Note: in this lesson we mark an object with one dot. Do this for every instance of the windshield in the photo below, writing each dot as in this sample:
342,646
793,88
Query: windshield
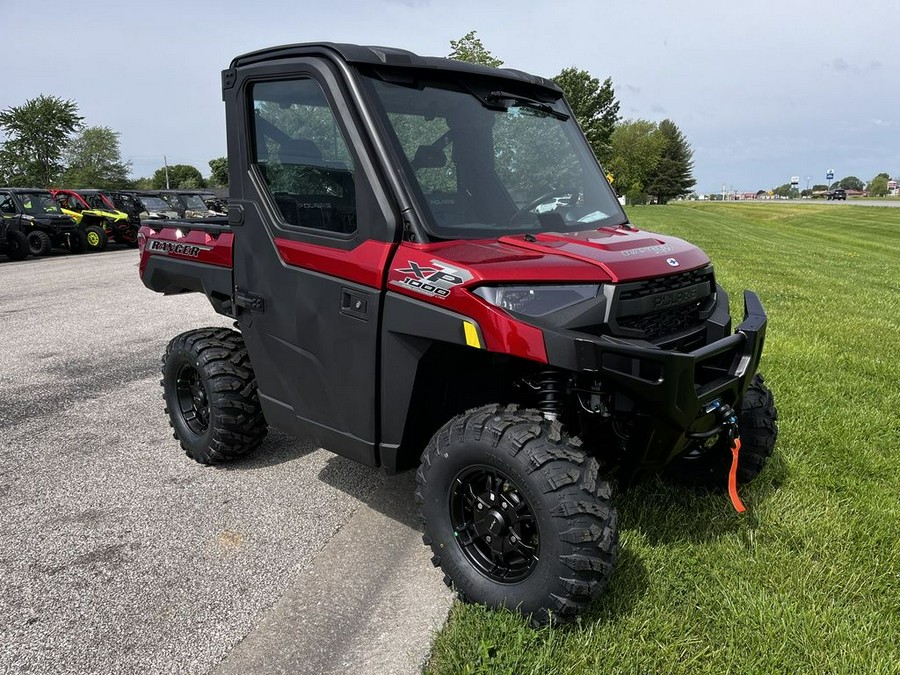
155,204
38,203
194,202
97,201
496,163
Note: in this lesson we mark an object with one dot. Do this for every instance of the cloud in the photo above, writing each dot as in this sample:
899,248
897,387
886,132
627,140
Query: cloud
658,109
841,65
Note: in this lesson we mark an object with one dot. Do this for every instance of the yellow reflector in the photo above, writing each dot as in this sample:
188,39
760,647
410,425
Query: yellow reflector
471,335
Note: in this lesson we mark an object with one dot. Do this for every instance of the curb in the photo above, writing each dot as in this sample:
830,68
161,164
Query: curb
370,601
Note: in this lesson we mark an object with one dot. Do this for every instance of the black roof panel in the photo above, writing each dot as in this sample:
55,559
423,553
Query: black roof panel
387,56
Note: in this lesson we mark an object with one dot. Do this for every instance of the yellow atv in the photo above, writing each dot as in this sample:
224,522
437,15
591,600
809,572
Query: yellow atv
98,220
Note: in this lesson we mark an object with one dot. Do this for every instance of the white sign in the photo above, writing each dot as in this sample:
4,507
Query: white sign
795,180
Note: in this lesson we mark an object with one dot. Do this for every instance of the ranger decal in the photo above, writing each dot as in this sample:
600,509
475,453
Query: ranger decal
170,247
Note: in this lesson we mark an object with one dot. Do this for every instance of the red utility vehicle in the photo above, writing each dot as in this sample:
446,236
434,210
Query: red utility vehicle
427,268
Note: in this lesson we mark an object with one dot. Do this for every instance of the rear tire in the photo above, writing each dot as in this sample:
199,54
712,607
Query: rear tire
76,242
16,245
211,397
758,428
39,243
557,533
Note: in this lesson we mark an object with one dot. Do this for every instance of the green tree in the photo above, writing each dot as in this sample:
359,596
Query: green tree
469,49
819,187
37,133
636,147
94,160
673,174
181,177
878,186
849,183
786,191
595,107
218,172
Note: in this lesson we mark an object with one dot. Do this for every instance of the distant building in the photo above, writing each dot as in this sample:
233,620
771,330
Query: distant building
893,187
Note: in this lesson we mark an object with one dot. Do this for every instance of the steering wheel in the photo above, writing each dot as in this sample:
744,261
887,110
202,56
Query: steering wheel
543,199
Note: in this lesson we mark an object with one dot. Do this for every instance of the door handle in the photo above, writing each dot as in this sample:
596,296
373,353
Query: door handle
355,304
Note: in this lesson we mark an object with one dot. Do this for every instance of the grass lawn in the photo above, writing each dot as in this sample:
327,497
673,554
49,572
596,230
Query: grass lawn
809,579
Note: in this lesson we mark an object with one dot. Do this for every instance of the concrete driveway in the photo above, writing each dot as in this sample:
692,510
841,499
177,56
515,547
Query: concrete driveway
120,555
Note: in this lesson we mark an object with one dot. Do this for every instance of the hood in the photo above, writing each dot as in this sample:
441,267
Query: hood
604,255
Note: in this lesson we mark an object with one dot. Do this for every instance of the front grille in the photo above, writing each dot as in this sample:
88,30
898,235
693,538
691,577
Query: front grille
665,322
655,324
668,283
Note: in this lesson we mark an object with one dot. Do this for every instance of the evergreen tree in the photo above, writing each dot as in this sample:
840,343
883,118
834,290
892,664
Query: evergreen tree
595,107
673,174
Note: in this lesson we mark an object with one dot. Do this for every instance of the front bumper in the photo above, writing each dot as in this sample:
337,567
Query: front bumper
670,386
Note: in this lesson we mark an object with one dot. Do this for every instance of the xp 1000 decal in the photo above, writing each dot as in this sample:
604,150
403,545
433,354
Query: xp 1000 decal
435,279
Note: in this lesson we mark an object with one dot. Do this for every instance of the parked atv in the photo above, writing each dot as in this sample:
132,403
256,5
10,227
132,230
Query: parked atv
428,269
119,226
13,242
99,222
39,219
186,203
142,207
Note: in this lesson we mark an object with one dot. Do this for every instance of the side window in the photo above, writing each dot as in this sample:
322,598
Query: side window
302,156
6,203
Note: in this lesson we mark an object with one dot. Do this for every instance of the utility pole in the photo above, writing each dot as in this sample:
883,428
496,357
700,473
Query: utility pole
166,162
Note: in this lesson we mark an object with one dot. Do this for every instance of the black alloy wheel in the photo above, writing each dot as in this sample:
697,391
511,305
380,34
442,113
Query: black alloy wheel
516,514
494,524
193,403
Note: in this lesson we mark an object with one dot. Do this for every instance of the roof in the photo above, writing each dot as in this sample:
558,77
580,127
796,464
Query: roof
388,56
19,190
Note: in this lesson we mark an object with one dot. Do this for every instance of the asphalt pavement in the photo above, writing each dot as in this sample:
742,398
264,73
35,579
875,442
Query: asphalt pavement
120,555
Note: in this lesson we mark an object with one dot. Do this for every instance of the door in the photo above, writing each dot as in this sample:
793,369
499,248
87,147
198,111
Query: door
310,256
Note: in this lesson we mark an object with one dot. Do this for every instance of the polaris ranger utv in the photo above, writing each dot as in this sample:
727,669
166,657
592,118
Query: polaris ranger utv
427,268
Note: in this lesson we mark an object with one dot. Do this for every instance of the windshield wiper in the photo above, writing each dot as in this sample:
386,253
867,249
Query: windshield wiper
525,102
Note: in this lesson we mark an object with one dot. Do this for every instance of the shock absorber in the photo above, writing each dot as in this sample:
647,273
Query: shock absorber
550,394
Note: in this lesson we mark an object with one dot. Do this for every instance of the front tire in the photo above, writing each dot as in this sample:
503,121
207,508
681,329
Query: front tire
39,243
515,514
211,396
95,237
758,429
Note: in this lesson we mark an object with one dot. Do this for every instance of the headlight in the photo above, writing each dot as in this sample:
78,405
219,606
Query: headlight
537,300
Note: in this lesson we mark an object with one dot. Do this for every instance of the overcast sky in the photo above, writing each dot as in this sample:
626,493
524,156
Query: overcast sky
763,90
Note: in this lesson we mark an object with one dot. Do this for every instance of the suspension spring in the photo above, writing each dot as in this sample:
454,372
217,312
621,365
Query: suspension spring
550,394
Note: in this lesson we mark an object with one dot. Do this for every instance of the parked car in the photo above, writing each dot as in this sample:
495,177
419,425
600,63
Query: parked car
837,194
40,219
